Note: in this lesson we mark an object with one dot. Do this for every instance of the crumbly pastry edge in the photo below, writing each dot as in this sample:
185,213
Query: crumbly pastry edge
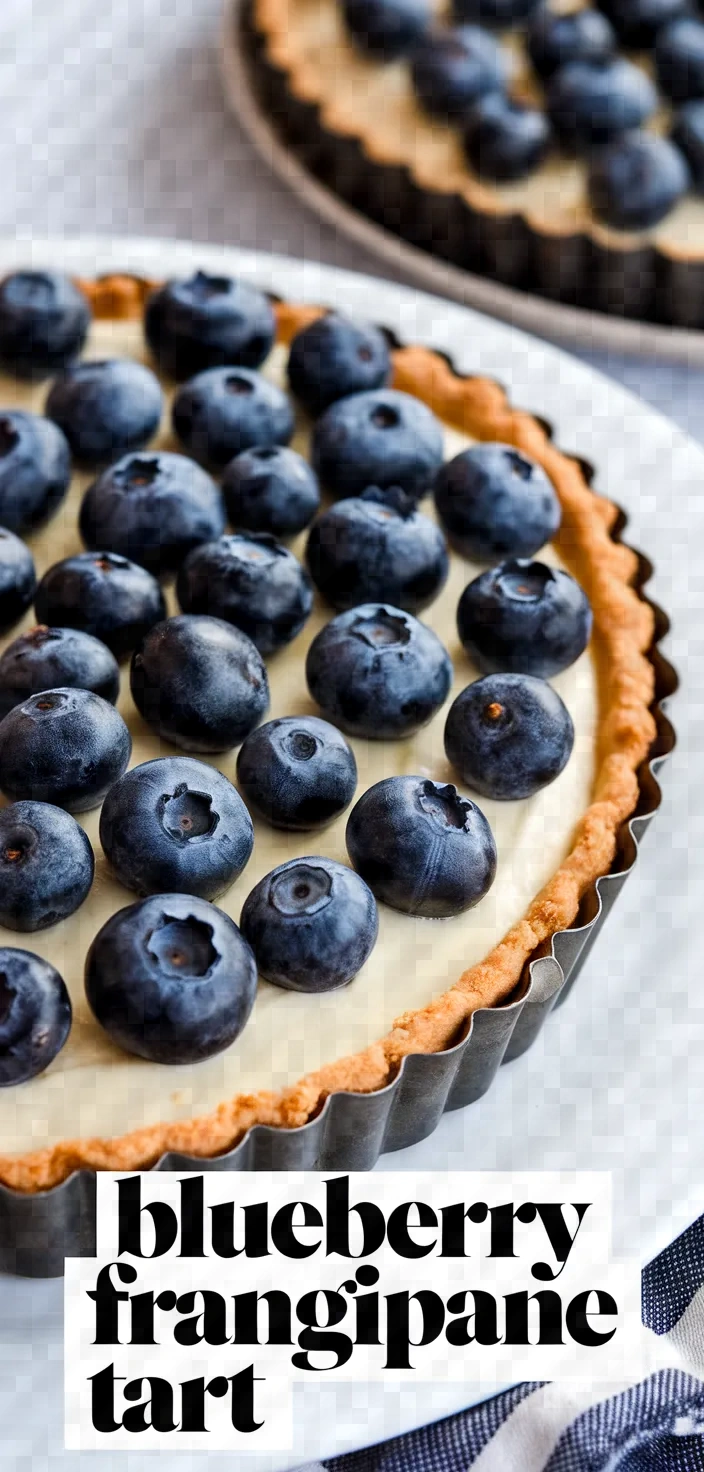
623,634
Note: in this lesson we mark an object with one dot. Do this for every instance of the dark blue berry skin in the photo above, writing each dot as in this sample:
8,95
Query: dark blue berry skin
639,22
44,321
171,979
208,322
223,411
499,13
35,470
421,847
298,772
507,736
381,438
377,672
175,824
104,595
17,579
386,29
251,581
200,683
506,140
49,659
494,502
65,747
336,356
270,490
554,40
153,509
312,924
105,409
688,136
46,865
35,1015
377,548
524,617
591,103
679,60
453,68
635,182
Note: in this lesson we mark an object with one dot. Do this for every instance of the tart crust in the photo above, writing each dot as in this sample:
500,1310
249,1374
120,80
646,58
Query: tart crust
623,632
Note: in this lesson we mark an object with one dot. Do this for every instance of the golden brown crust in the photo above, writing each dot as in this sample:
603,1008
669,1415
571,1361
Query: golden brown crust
623,631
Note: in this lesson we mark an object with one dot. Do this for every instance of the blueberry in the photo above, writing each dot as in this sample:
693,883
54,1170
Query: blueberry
679,59
688,135
381,438
506,140
311,923
252,582
508,735
200,683
524,617
171,979
591,103
105,408
103,595
493,502
298,772
46,865
454,67
638,22
44,321
500,13
176,824
17,579
63,746
223,411
580,35
377,672
386,29
35,470
270,490
49,659
421,847
336,356
35,1015
635,182
377,548
208,322
152,508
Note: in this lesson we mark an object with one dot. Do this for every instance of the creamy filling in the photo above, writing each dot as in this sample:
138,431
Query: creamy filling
92,1088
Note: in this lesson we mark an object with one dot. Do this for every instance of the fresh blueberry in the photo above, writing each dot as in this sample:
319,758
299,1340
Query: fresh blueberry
49,659
175,824
63,746
35,470
524,617
44,321
311,923
200,683
499,13
223,411
377,547
381,438
508,735
506,140
298,772
270,490
105,408
208,322
336,356
639,22
35,1015
421,847
17,579
171,979
377,672
252,582
591,102
46,865
386,29
679,60
580,35
454,67
103,595
494,502
635,182
688,135
152,508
